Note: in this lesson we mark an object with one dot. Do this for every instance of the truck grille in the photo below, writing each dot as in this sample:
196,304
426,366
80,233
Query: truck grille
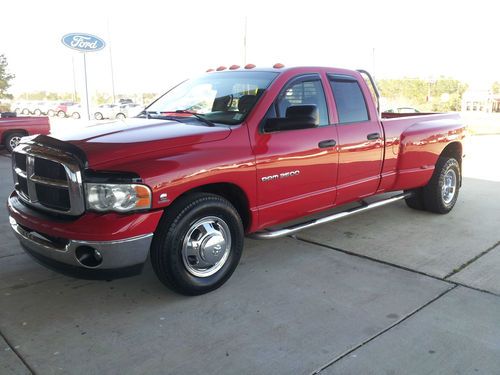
48,179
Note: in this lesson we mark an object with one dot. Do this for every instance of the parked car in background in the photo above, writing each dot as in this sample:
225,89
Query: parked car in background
61,109
74,111
40,108
130,109
403,110
106,111
22,107
12,129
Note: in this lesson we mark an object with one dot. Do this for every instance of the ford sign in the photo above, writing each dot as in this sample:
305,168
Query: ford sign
83,42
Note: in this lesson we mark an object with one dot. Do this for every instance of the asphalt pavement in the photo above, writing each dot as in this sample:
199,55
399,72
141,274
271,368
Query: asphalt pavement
389,291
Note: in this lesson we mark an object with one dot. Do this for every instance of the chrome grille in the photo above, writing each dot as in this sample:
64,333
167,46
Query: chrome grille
48,179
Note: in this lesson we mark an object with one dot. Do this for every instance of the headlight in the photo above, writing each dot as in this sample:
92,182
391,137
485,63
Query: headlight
117,197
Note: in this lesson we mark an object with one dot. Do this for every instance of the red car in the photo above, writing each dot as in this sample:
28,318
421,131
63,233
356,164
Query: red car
231,153
12,129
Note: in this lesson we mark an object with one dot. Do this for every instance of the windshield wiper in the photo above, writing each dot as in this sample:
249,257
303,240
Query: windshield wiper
156,115
197,115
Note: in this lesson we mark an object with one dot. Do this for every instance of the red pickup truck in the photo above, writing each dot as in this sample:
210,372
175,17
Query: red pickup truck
13,128
234,152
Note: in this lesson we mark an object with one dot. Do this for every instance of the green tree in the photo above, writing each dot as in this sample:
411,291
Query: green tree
443,94
5,78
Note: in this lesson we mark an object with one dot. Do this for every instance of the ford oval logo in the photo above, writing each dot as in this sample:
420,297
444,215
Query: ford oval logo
83,42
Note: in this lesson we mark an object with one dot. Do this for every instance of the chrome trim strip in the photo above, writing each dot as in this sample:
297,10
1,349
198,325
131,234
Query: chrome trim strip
266,235
20,172
115,254
30,171
49,181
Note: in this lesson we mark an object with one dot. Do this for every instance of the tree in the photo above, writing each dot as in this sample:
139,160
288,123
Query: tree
5,78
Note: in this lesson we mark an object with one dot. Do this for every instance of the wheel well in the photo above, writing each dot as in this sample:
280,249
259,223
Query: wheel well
453,150
9,132
233,194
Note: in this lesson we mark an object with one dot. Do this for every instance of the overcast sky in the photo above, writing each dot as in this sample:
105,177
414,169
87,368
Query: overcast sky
157,43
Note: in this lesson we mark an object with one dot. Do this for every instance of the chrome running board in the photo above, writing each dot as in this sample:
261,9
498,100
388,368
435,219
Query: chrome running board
266,235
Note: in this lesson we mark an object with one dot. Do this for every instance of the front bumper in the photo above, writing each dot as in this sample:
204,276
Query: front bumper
119,258
122,242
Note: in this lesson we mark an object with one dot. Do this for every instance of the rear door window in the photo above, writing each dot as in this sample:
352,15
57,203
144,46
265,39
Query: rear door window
349,99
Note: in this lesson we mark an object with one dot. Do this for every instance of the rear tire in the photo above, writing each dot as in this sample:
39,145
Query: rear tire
61,114
441,193
416,200
198,244
98,116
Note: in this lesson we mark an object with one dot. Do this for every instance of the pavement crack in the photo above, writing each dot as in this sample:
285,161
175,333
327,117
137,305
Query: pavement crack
395,324
16,352
444,279
374,260
470,261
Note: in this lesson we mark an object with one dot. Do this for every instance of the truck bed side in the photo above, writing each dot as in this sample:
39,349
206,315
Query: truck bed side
413,145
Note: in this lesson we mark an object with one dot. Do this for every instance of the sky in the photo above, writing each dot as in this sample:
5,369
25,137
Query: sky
156,44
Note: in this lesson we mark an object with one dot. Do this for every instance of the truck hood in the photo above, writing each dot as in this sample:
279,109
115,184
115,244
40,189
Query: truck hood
131,138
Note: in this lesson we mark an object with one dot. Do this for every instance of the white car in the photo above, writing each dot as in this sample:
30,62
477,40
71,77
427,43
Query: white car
108,111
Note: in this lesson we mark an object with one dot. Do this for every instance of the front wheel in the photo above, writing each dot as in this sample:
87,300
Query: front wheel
197,244
12,140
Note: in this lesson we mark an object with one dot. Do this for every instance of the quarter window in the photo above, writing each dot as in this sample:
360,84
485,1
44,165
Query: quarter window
349,99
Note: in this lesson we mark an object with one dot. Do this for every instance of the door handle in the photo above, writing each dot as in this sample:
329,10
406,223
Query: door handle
373,136
327,143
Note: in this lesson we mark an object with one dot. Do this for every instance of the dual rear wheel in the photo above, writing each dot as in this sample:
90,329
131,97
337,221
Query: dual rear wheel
441,193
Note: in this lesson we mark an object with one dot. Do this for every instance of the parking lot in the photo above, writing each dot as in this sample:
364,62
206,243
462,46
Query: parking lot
390,291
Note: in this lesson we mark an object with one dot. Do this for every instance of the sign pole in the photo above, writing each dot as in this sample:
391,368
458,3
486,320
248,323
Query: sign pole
85,107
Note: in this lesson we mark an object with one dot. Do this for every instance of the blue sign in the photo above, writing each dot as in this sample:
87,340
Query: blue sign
83,42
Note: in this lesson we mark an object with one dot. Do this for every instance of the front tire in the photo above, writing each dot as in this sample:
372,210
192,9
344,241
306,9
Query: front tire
198,244
12,140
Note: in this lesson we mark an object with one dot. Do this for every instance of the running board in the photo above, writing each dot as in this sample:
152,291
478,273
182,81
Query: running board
267,235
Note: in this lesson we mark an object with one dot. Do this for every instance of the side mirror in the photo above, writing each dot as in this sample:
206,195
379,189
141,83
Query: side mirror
297,117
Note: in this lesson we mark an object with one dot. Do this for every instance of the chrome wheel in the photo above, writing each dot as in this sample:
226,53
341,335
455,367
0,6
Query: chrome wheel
449,186
14,141
206,246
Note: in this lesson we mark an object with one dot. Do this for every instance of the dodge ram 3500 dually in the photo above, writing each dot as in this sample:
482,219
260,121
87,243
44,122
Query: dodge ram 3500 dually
234,152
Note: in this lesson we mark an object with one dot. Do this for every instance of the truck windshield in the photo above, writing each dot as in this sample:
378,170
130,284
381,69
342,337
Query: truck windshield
220,97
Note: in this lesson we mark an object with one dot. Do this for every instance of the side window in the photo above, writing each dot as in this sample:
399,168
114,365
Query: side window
301,93
351,105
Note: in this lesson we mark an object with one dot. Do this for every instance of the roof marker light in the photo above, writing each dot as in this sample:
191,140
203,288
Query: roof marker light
210,70
249,66
278,66
221,68
234,67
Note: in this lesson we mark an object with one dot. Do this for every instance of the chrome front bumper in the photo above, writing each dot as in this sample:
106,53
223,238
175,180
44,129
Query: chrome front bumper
129,253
